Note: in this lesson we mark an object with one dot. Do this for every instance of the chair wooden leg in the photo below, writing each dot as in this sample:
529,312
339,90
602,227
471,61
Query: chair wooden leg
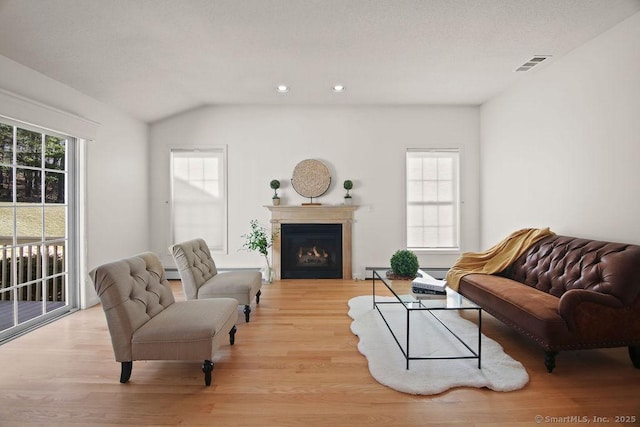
207,367
258,297
125,373
232,335
247,311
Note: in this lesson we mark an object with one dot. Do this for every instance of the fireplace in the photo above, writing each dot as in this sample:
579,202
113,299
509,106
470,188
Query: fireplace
335,216
311,251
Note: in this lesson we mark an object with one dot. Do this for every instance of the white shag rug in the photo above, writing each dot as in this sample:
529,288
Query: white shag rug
387,364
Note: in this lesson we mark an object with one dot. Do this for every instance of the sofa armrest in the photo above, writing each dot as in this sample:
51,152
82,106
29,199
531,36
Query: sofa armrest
572,299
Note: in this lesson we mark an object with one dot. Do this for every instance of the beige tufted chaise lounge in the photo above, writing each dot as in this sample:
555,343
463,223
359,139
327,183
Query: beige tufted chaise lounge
146,323
200,277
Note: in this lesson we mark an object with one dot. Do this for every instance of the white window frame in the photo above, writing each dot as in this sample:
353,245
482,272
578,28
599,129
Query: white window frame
26,111
454,204
71,266
202,223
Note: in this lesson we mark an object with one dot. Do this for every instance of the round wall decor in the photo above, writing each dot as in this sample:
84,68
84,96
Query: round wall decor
311,178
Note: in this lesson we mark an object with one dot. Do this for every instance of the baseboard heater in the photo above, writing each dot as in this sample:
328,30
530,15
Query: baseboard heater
173,274
435,272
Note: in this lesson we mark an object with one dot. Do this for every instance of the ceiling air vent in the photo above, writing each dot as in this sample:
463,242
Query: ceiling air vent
532,62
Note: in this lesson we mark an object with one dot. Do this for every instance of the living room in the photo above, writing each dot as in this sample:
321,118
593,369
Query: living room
556,147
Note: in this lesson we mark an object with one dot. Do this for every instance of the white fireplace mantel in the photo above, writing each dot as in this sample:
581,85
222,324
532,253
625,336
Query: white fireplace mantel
312,214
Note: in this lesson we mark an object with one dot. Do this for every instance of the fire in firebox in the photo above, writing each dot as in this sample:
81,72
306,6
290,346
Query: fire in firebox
312,256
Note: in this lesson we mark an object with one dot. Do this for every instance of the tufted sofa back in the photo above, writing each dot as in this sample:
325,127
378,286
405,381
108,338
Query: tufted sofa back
132,291
195,265
557,264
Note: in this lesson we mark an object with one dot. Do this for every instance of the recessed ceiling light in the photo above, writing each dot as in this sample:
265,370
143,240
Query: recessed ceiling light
282,88
338,88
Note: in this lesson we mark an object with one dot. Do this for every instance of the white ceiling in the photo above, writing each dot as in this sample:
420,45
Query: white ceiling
156,58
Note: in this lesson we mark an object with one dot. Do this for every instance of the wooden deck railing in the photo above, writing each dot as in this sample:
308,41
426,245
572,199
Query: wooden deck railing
29,259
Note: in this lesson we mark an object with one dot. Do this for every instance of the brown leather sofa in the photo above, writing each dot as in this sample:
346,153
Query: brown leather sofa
567,293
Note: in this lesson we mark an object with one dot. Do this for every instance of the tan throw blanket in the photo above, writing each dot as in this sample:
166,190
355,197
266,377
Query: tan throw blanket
496,258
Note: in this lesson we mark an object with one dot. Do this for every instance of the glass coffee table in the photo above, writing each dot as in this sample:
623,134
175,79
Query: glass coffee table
422,305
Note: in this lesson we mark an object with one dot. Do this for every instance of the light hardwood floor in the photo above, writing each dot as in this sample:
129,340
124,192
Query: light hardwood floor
295,364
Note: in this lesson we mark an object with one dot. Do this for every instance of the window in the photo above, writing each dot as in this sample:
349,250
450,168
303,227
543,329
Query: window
199,196
36,251
433,199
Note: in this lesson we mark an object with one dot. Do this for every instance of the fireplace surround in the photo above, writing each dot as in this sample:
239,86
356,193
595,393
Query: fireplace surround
342,215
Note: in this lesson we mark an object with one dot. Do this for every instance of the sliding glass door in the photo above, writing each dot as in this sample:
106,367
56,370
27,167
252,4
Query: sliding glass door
36,251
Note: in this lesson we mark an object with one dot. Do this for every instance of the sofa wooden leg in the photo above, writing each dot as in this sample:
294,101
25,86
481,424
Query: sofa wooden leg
232,335
247,311
207,367
125,373
550,360
634,354
258,297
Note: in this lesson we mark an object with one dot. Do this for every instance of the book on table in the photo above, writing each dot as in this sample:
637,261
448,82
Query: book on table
426,286
426,294
425,281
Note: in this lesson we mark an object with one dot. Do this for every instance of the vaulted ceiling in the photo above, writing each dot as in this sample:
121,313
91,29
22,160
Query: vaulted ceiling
157,58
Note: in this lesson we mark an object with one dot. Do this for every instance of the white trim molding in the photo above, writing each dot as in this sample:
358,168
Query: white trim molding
25,110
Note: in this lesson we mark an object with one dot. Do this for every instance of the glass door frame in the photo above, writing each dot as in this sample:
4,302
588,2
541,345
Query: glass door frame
70,240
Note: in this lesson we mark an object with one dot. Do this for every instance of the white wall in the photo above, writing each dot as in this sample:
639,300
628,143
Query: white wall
117,168
562,149
364,144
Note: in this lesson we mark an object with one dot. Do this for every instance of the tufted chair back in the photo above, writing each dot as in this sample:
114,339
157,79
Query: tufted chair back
557,264
195,265
132,291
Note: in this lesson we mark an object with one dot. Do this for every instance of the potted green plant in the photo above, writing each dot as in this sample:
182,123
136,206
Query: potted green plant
404,264
259,241
275,184
348,185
